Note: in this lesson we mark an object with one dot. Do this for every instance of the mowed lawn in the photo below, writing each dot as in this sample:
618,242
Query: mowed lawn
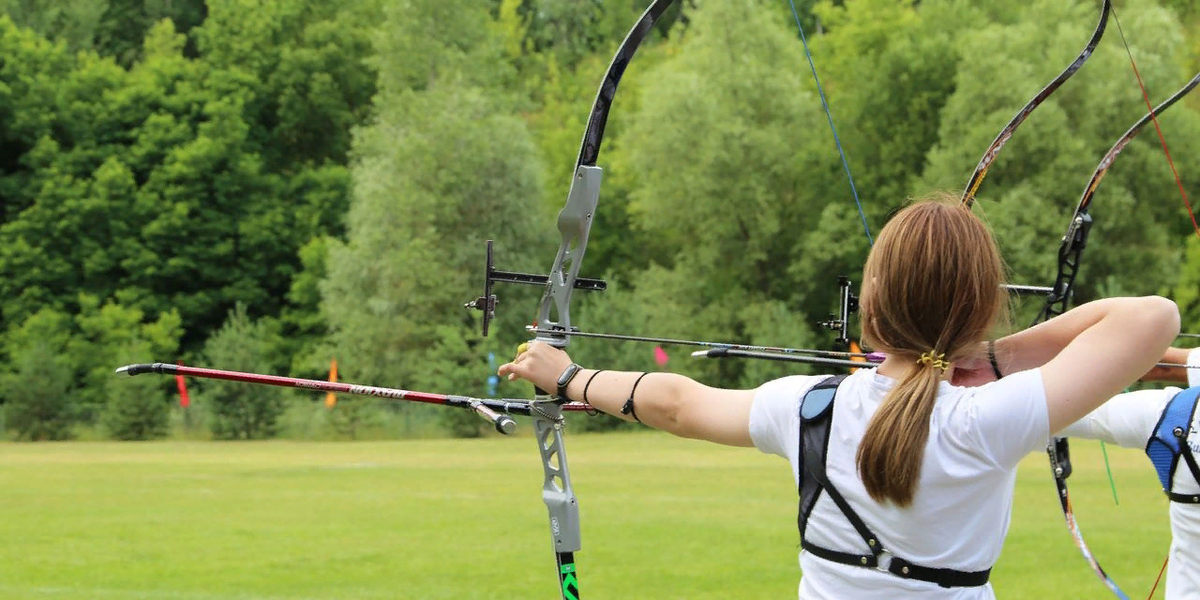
662,518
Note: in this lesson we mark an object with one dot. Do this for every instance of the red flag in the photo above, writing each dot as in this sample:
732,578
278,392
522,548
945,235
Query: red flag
660,356
184,402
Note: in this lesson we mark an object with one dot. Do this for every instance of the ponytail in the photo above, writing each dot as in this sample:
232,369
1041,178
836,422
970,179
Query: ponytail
890,454
931,281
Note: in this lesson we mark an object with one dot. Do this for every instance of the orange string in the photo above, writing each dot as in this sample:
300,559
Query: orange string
1154,118
1160,574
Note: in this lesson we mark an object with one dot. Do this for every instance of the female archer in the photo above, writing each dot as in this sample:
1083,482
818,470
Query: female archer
906,480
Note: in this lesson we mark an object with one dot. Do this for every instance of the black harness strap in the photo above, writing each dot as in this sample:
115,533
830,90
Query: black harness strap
1180,433
816,417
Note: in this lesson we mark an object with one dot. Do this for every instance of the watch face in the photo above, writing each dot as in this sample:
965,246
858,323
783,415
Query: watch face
568,374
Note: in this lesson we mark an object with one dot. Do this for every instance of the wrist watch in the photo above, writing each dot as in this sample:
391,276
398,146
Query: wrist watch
565,379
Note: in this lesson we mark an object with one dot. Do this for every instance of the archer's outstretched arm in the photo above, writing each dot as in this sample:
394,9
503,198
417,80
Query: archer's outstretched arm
1175,356
666,401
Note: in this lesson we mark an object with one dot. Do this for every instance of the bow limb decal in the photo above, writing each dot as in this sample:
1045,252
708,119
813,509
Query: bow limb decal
993,150
554,313
1069,253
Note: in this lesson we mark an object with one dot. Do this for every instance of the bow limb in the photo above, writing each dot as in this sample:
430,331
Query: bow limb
553,318
993,150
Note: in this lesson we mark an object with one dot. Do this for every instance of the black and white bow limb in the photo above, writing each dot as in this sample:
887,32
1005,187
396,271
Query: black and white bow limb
993,150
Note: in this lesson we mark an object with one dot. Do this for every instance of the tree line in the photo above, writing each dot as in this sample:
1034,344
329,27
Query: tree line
273,184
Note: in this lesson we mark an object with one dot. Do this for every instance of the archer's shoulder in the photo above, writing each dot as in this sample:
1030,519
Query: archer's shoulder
793,387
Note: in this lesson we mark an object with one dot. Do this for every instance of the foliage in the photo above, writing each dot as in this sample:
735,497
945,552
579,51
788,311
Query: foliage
143,184
137,408
72,22
108,336
336,169
443,169
1027,197
236,410
83,352
39,393
303,325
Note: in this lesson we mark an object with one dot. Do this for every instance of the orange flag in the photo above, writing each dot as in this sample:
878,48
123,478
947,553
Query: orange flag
331,398
856,349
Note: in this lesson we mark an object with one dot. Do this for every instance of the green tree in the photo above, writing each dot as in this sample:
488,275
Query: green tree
74,23
304,68
137,407
144,185
446,166
124,24
239,410
106,336
1186,292
735,208
441,172
38,381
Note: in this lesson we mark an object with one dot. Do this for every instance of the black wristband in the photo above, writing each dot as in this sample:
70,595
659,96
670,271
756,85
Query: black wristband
627,409
992,359
591,410
565,379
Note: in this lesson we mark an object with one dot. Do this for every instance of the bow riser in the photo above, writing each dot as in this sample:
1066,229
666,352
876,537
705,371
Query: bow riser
574,224
554,311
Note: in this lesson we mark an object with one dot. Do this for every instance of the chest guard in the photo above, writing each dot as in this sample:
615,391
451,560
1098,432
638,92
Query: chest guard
1168,443
816,423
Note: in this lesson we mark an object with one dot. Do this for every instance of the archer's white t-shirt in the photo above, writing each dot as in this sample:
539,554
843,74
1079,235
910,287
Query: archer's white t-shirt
1128,421
963,503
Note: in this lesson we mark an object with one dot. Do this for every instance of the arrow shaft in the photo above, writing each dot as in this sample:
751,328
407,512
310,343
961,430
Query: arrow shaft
718,345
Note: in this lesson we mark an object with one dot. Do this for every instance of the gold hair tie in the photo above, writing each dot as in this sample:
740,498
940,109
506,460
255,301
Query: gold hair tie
935,360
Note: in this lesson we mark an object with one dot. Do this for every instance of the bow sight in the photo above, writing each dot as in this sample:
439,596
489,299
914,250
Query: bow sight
847,305
488,301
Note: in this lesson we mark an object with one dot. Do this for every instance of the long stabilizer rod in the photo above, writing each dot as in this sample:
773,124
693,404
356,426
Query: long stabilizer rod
494,410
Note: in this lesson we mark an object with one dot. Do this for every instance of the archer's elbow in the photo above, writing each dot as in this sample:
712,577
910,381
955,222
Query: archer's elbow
671,406
673,412
1160,320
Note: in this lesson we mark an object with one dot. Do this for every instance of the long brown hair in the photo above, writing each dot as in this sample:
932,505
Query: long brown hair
932,283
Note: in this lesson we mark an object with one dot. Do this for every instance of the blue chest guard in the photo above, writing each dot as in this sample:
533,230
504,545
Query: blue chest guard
1169,442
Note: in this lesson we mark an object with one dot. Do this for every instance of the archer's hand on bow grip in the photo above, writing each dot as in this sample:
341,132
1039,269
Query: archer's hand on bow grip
538,363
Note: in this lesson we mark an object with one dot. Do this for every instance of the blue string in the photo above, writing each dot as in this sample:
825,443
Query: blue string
829,115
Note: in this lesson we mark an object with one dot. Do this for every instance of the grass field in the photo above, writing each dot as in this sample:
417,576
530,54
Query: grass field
662,518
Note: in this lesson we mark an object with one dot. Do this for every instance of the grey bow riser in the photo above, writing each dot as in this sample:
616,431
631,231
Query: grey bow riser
574,224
